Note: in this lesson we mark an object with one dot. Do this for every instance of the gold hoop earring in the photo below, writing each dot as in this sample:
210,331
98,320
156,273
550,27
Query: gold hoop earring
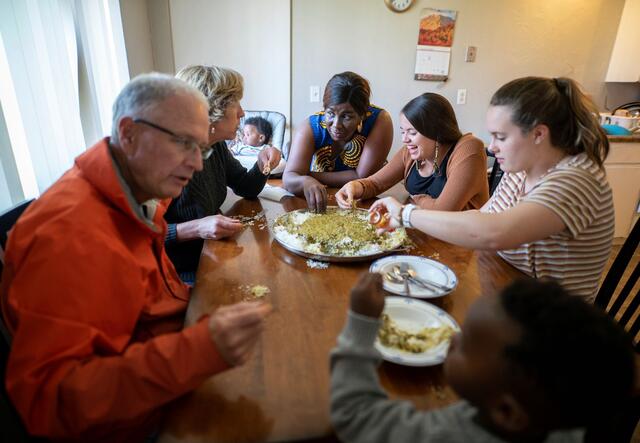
436,169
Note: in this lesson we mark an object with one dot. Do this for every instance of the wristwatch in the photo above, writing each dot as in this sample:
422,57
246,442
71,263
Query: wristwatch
406,215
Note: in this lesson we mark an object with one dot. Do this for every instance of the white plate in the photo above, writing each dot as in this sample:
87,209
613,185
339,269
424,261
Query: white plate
425,268
295,245
413,315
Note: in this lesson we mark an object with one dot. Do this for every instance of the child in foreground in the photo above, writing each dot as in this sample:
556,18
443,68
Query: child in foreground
531,364
256,135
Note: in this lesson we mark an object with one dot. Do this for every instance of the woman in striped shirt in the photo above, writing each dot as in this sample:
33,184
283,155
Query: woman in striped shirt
552,213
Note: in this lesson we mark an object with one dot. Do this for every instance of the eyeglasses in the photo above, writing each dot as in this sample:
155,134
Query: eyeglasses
345,118
188,144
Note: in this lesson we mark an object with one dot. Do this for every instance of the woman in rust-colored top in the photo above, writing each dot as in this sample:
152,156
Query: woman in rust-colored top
441,168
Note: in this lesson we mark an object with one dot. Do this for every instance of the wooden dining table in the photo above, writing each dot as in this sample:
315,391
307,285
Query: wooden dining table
282,392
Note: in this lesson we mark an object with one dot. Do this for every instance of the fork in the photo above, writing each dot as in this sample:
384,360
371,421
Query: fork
405,278
406,272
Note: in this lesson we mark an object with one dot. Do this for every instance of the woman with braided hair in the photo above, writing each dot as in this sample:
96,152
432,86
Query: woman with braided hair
349,139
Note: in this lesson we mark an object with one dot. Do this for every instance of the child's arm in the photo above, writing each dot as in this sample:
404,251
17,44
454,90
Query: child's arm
360,409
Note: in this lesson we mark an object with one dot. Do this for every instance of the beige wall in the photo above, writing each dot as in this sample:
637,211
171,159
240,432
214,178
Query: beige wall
147,36
160,29
514,38
303,42
250,36
137,37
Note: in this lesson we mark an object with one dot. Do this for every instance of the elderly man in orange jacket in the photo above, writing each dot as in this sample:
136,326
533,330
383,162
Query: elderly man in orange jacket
94,305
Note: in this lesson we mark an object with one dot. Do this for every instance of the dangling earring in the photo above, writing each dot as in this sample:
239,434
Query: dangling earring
436,169
212,130
359,128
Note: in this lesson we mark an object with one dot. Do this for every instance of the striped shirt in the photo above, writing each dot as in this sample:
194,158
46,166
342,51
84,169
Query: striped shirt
577,191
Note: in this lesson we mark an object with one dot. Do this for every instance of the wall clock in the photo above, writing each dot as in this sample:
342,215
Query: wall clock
398,5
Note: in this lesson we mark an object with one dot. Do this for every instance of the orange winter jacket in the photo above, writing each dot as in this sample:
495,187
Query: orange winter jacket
96,309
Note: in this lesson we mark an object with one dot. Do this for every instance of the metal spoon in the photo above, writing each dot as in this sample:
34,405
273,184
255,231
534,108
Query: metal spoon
395,279
414,276
405,271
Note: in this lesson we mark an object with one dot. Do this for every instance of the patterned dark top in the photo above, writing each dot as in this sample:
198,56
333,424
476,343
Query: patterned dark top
202,197
350,156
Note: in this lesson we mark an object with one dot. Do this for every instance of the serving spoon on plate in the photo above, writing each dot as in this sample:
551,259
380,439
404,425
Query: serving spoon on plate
404,272
397,279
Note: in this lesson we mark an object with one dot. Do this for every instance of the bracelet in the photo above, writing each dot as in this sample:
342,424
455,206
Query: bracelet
406,215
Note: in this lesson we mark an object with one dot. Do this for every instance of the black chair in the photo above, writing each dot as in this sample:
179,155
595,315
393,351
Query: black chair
622,309
11,426
495,175
8,218
626,304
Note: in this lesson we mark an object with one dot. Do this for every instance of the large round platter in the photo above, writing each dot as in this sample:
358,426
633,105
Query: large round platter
411,314
426,269
297,244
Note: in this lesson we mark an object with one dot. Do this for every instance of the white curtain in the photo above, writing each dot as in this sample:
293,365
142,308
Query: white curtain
103,60
45,46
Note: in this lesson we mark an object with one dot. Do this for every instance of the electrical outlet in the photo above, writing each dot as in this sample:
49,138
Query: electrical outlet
314,94
470,55
462,97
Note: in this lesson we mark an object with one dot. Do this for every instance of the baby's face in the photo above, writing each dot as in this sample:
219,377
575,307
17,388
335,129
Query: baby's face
251,136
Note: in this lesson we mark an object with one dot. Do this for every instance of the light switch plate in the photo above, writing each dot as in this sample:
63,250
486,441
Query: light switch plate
314,94
470,55
462,97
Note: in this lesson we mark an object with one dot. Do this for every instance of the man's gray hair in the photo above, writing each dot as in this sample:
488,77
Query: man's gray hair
145,92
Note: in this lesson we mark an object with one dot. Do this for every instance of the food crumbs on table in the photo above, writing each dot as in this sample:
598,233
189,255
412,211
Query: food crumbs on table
250,220
255,291
439,392
315,264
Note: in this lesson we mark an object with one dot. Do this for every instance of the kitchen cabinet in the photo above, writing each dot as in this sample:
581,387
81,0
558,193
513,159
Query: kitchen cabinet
623,173
624,65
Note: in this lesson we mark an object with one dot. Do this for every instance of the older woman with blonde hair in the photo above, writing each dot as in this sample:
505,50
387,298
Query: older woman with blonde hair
194,216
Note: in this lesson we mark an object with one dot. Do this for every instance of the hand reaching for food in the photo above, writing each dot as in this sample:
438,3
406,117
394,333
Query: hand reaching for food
367,296
392,208
213,227
236,329
349,194
268,159
316,194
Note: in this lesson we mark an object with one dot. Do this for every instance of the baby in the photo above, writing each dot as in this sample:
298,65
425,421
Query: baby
256,135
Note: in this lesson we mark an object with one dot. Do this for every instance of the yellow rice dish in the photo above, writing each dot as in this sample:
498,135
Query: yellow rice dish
392,336
338,232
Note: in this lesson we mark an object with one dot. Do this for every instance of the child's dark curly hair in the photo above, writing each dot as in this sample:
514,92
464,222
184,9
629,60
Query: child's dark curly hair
581,362
262,125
